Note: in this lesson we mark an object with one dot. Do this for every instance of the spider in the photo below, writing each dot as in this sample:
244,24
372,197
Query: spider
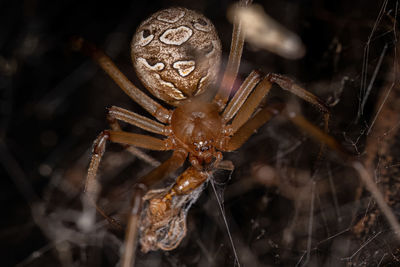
176,53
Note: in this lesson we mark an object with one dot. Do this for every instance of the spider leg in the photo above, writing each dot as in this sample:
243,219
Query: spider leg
248,128
289,85
318,134
99,146
128,252
138,140
363,173
241,95
159,112
262,90
232,67
249,106
117,113
265,114
92,188
226,165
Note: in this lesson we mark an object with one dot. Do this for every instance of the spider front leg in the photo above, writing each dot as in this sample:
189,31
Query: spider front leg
242,127
99,146
261,91
232,67
92,187
265,114
241,95
114,114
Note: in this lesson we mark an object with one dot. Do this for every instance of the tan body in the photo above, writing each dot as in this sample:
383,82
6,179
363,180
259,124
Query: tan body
199,128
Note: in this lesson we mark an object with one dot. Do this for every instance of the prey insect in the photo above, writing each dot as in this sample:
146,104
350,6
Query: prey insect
176,53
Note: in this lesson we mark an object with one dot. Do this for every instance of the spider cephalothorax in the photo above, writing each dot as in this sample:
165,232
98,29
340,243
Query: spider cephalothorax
198,127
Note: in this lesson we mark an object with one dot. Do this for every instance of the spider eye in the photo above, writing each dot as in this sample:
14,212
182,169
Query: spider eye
204,148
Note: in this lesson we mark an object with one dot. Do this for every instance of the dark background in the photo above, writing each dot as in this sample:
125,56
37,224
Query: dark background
53,104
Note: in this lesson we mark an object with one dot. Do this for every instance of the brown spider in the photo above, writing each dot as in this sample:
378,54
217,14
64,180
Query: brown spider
176,54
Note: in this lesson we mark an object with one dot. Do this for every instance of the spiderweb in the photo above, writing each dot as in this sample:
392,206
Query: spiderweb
277,211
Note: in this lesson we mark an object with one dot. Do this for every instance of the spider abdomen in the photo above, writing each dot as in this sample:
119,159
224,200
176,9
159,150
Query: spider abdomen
176,54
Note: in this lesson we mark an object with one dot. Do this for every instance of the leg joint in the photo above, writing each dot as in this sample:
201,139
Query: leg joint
99,144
